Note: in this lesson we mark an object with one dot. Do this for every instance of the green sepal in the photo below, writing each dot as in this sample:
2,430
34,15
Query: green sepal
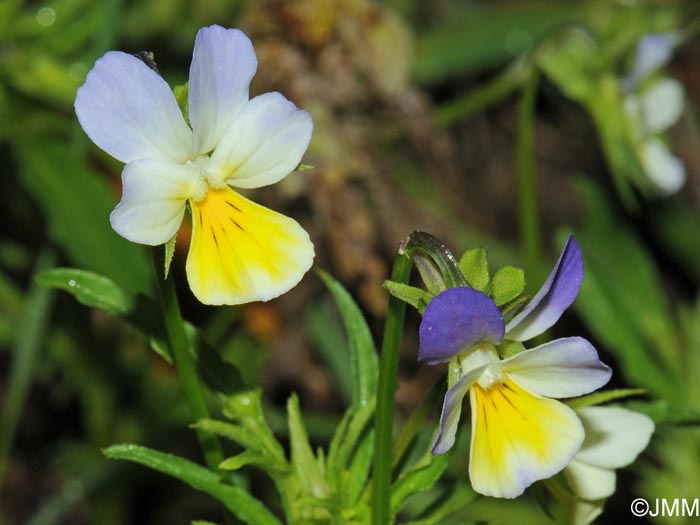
511,309
598,398
181,94
169,252
507,285
510,348
304,167
475,266
200,522
416,297
88,288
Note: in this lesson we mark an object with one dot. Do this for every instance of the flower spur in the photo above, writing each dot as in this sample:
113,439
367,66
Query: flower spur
239,251
518,434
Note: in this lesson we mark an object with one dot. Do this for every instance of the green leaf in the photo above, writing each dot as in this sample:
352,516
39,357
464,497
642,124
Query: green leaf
363,356
240,460
573,61
304,167
420,478
507,284
598,398
303,461
663,412
475,266
200,522
76,203
622,303
88,288
358,470
416,297
479,37
258,449
169,252
243,505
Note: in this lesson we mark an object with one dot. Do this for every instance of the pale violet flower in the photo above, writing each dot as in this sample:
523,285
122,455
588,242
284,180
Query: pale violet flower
654,107
518,433
240,251
614,438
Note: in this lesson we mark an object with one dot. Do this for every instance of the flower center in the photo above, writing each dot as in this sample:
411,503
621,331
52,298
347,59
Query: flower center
481,355
208,178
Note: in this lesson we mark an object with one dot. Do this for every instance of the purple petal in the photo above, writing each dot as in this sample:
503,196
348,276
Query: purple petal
451,411
555,296
455,320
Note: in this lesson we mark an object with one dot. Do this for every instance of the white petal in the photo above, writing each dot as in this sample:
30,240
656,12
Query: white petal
130,112
662,105
265,142
589,482
614,436
223,63
666,171
562,368
153,200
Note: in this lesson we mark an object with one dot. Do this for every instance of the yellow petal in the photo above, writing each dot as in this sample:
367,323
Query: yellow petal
242,252
518,438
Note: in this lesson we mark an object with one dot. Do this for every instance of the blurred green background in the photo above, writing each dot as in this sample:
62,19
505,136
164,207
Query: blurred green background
488,123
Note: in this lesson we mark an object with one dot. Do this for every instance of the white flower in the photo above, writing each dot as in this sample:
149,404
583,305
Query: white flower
239,251
653,109
614,438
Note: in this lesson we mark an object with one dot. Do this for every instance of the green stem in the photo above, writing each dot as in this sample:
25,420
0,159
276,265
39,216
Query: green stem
30,339
527,187
483,97
184,360
386,387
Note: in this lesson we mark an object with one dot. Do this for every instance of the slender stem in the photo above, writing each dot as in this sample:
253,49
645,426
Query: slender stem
527,187
184,360
30,339
384,416
483,97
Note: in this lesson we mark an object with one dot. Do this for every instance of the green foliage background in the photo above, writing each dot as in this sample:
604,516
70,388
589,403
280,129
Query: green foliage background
486,123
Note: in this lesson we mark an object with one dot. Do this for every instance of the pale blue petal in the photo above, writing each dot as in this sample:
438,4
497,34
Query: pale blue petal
223,64
153,200
565,367
130,112
265,142
555,296
452,409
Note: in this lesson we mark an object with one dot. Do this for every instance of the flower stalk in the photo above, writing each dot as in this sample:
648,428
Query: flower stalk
386,387
184,362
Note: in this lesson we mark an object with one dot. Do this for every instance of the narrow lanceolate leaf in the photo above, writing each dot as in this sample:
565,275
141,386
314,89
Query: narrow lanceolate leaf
88,288
416,297
243,505
420,478
363,355
304,462
598,398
